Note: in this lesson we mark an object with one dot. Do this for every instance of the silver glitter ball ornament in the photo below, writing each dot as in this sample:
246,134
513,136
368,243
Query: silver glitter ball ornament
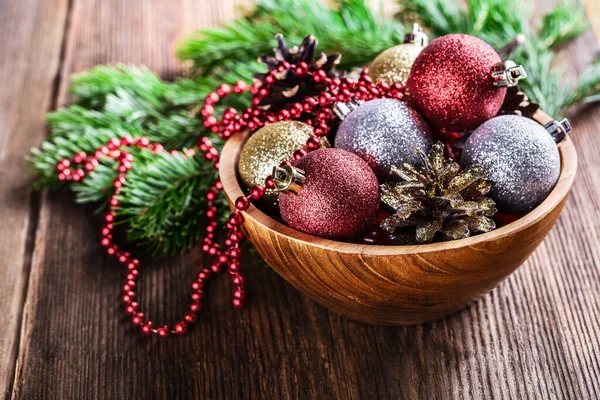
521,158
384,133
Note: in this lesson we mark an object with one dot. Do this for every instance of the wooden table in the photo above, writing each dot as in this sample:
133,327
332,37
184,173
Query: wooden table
63,337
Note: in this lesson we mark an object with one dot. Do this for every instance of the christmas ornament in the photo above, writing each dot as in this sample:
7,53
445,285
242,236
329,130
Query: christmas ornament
458,81
438,197
266,148
521,157
329,193
382,132
393,65
289,85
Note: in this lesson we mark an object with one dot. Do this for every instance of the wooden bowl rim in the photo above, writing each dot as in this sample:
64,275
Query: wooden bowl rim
232,189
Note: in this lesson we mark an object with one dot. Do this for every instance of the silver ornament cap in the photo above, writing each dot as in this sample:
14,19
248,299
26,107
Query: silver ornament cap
521,158
508,74
288,180
559,130
417,36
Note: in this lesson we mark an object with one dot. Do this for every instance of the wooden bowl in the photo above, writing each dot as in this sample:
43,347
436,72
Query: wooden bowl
398,285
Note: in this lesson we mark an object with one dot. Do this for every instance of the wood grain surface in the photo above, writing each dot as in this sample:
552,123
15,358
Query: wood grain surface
63,337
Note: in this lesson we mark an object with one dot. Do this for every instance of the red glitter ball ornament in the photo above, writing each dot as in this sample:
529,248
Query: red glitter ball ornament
336,197
451,82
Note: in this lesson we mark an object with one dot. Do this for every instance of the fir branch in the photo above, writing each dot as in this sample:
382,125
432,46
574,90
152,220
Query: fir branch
59,147
351,29
90,88
564,23
587,89
164,202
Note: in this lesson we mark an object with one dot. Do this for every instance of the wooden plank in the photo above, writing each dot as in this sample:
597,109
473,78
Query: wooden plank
535,336
31,32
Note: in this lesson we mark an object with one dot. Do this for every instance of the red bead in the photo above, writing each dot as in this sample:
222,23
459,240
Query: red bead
137,319
195,306
197,296
239,294
113,144
181,328
234,266
236,237
143,142
197,285
234,253
239,280
204,275
299,154
269,183
237,303
313,143
147,328
190,317
163,332
242,203
126,141
257,192
236,219
224,90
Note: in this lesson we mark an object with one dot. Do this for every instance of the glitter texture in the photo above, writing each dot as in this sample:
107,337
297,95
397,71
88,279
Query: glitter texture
393,65
340,197
266,148
451,83
384,132
522,160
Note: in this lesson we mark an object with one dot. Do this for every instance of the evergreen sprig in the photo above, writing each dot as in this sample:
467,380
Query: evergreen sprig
163,203
351,28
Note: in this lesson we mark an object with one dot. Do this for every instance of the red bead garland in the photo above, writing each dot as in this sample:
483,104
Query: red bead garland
314,111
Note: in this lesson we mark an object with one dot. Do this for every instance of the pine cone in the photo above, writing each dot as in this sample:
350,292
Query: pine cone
438,197
291,87
516,102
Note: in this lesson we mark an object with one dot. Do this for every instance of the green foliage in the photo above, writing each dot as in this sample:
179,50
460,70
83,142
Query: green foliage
130,101
351,28
163,202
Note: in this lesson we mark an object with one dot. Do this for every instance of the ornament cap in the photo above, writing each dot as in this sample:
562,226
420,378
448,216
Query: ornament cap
417,36
559,130
508,74
288,180
343,109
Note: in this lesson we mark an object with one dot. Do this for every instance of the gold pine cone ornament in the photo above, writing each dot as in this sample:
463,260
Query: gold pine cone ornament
437,198
394,64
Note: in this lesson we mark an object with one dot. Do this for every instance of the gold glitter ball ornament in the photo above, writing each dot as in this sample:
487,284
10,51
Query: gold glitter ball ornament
267,148
394,64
